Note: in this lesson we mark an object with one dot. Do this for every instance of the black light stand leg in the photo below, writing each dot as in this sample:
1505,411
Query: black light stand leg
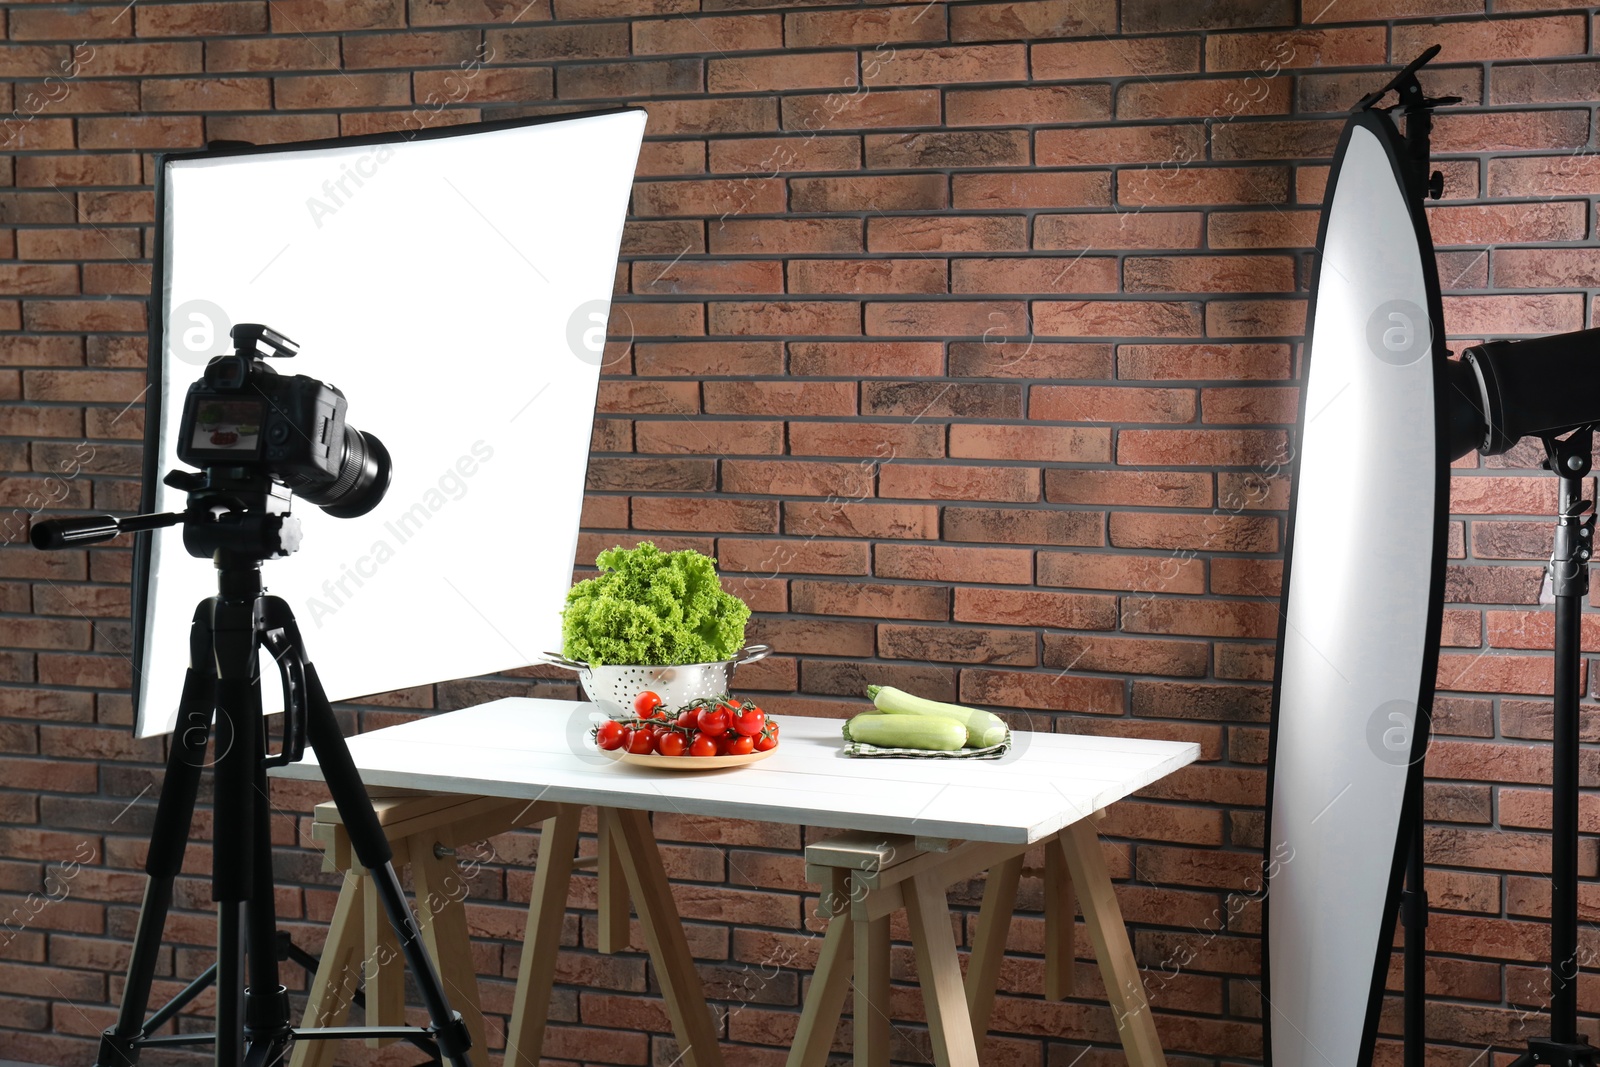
1570,459
367,838
1414,914
174,814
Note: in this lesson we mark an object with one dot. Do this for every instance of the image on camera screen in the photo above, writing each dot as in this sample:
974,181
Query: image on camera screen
227,425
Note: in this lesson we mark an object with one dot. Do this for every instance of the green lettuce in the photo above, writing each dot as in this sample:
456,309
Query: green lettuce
652,607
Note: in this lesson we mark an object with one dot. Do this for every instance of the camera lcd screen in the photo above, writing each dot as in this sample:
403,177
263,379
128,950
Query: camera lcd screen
227,425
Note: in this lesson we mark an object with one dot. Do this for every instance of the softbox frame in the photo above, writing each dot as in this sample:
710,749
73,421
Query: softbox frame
1362,599
455,283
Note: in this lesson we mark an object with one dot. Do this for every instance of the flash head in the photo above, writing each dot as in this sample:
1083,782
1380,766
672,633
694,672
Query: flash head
1503,391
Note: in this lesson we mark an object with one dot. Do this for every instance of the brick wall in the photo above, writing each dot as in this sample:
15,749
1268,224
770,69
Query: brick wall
963,334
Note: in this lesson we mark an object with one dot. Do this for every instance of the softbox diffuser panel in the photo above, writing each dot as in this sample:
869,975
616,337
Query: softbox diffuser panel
1358,644
455,284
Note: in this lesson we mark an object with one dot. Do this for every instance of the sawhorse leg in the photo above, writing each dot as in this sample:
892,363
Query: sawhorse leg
640,862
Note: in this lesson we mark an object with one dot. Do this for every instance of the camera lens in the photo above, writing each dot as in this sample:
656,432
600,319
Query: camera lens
362,480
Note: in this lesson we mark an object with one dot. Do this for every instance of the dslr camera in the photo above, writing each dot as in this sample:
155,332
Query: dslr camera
243,414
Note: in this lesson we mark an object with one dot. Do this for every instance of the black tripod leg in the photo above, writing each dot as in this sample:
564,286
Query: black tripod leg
307,699
266,999
233,846
174,813
371,846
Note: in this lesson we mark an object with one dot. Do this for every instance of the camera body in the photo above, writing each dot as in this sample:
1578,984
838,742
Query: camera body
243,412
291,427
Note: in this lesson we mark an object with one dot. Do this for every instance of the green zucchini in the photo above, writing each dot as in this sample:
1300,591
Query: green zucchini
984,728
906,731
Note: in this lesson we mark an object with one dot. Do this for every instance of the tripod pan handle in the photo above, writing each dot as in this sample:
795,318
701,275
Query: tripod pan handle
66,533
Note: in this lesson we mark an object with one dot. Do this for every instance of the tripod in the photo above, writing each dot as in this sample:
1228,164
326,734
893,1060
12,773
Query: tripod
239,519
1569,458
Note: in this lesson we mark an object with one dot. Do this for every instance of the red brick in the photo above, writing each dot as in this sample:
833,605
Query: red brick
1498,673
1024,526
1262,229
1026,19
1125,230
864,359
947,64
1212,274
1486,39
1480,316
527,43
209,94
757,74
870,600
911,521
1038,444
1219,98
785,317
707,276
861,109
1170,187
952,644
1092,403
1030,190
1046,690
791,556
949,233
201,19
1511,131
1246,577
777,155
789,236
1124,655
921,481
656,398
1036,608
946,318
780,398
1030,106
78,23
1255,318
1056,275
925,399
1029,359
797,478
1175,489
1170,146
1222,448
1251,405
694,513
712,33
932,563
871,27
1217,618
1116,58
882,441
1500,224
747,114
1116,318
898,192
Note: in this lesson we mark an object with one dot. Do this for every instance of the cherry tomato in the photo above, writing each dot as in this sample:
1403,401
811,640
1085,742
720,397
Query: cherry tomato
751,721
610,735
702,746
713,722
766,742
688,719
670,743
740,745
646,703
639,744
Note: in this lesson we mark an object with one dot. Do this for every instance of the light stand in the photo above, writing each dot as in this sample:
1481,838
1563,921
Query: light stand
240,517
1549,388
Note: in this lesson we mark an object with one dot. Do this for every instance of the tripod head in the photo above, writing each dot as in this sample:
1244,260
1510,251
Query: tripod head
235,516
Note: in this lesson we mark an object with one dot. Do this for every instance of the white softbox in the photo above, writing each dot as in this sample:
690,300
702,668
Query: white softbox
455,284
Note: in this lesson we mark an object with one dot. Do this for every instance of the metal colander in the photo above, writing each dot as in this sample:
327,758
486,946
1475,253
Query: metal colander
613,687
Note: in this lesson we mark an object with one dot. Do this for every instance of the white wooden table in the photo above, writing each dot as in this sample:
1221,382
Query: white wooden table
537,750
